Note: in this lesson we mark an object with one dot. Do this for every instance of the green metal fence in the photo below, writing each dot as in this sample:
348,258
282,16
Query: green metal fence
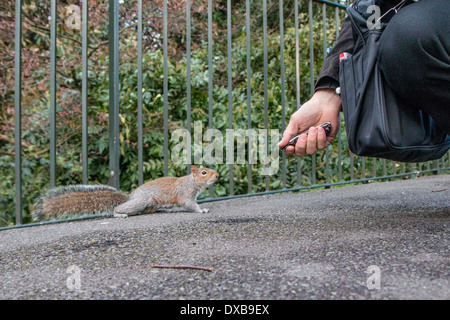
361,169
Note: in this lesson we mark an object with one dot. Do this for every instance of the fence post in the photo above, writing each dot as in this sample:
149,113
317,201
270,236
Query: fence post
311,70
139,98
249,89
53,31
188,76
165,89
84,94
230,88
18,110
114,148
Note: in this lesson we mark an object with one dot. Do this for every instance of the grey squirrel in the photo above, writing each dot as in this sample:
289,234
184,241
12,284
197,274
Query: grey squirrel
84,200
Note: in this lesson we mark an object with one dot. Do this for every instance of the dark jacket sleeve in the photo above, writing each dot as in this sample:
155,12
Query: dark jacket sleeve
329,73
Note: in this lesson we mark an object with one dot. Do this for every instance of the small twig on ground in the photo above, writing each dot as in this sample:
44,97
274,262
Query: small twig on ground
439,190
181,267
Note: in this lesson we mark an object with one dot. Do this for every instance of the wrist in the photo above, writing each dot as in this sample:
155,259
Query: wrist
328,98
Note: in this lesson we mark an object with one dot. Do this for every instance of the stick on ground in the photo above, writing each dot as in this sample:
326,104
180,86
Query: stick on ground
180,267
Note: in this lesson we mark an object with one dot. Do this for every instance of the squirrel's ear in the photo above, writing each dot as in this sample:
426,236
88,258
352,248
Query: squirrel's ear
194,169
201,166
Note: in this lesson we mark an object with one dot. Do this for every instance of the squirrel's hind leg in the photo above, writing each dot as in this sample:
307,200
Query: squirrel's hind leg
150,209
133,206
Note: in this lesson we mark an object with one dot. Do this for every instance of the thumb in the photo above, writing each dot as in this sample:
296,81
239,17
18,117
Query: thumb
287,134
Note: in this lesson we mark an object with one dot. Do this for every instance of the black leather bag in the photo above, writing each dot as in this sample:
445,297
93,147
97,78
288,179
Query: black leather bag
379,123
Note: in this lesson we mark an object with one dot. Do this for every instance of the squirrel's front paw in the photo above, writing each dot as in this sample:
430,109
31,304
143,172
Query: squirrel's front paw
204,210
120,215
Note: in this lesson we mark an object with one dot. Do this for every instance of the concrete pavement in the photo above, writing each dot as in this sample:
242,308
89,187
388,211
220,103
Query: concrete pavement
374,241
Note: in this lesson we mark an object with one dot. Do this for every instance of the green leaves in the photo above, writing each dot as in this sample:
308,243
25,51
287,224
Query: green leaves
35,117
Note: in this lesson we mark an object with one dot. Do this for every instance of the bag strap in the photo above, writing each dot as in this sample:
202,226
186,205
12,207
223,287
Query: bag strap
396,8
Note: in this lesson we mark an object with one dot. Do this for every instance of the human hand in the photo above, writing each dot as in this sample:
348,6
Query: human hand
324,106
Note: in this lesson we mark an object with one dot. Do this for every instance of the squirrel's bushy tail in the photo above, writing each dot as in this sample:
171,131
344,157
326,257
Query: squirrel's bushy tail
77,201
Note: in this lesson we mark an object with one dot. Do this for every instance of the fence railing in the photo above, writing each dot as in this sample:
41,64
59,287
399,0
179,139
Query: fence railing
325,169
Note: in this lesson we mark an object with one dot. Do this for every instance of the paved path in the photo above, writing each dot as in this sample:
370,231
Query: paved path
308,245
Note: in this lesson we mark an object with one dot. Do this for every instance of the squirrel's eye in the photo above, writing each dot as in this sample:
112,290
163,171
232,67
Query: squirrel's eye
203,172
